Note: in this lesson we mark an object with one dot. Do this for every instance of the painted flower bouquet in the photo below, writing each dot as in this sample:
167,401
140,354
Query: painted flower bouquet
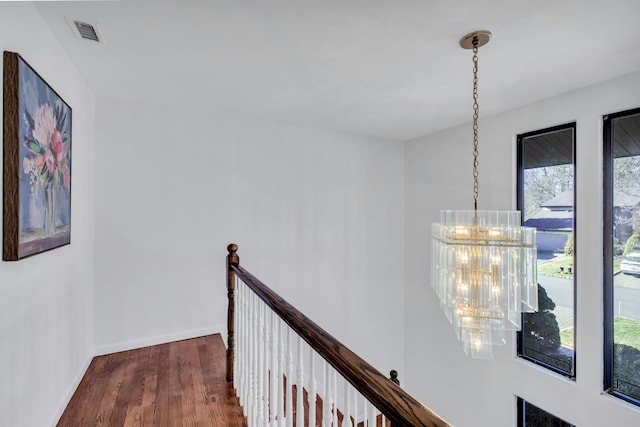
46,163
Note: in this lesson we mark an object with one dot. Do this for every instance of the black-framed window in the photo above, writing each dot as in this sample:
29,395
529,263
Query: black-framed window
621,154
546,198
531,416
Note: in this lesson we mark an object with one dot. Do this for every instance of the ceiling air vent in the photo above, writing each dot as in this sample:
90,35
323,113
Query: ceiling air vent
86,31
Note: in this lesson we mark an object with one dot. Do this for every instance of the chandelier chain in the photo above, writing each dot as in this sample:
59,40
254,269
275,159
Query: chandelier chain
475,125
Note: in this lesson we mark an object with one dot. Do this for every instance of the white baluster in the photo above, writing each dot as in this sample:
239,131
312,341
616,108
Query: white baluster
246,349
256,360
267,364
326,398
346,407
238,358
334,386
373,415
281,372
289,392
237,365
365,413
252,352
312,389
261,370
247,353
300,387
355,407
266,342
273,401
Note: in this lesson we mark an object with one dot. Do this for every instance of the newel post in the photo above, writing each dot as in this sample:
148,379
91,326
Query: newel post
232,259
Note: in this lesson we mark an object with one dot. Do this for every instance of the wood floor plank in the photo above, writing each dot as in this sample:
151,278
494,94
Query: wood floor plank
176,365
161,401
112,376
126,396
189,417
150,379
168,385
201,400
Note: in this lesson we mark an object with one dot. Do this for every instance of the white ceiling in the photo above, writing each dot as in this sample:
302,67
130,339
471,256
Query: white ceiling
385,68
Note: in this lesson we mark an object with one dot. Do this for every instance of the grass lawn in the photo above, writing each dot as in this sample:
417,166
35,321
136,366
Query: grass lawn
558,265
566,337
561,264
626,331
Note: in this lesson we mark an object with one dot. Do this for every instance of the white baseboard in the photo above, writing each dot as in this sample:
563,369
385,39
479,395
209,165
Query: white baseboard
161,339
72,389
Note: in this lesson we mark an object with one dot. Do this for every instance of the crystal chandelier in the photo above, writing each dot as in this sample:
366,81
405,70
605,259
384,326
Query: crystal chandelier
483,262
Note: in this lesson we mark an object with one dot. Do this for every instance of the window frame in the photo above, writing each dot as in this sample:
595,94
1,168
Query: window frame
607,280
520,206
521,412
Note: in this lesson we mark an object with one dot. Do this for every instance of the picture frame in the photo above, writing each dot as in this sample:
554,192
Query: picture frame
37,163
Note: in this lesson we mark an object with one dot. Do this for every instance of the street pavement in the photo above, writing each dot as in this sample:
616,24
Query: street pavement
560,290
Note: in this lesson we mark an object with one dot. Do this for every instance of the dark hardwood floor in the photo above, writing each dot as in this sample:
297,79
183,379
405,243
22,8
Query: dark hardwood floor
175,384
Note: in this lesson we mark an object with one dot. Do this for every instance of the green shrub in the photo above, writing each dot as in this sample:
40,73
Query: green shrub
542,326
618,249
626,367
633,244
568,246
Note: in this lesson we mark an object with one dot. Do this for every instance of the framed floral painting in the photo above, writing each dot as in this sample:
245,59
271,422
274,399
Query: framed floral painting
37,163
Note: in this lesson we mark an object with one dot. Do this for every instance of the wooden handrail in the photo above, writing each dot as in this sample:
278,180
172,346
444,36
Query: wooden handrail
397,405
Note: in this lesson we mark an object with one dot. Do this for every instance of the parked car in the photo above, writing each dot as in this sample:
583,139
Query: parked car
631,264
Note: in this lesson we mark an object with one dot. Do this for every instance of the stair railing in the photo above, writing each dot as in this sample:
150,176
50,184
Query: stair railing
287,370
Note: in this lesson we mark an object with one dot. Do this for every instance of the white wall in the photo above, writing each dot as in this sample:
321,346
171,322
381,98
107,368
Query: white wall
470,392
317,215
328,219
46,303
